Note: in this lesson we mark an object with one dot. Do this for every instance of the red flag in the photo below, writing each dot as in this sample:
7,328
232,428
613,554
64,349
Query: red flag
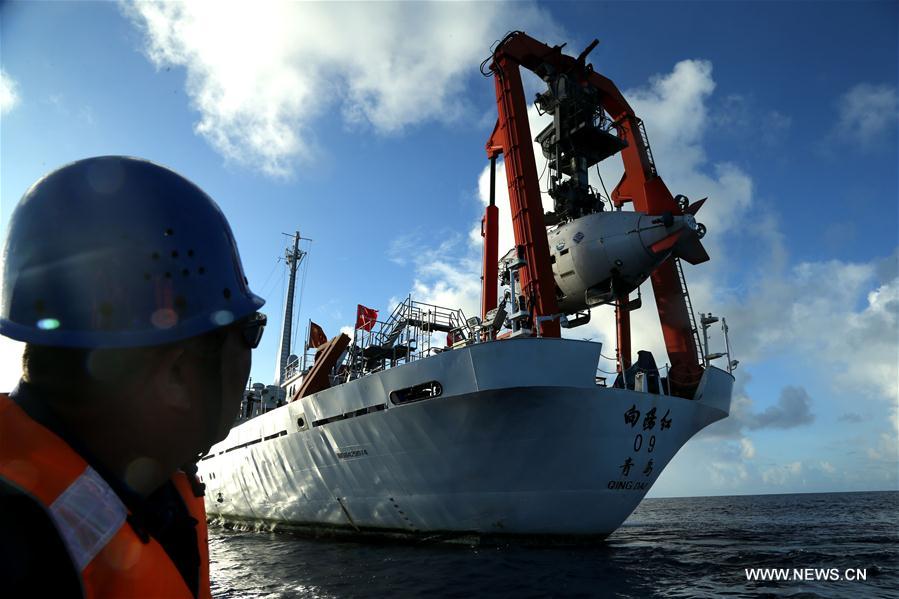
452,338
317,336
365,318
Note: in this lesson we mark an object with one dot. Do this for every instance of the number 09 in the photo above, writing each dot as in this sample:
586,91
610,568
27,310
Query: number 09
638,443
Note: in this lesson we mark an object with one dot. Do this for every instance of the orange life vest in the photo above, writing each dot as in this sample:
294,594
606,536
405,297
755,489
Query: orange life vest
90,517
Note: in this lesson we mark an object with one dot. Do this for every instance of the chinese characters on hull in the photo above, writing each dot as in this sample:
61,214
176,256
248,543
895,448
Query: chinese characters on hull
650,419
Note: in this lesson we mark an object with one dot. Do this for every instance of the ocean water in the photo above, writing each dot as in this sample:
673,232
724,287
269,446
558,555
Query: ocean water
685,547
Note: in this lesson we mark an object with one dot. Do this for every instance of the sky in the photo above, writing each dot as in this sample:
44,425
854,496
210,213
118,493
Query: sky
362,125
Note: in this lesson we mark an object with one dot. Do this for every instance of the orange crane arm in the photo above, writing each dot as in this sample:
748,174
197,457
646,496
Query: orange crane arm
513,136
640,184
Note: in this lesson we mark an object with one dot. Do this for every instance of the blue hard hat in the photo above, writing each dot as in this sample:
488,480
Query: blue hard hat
119,252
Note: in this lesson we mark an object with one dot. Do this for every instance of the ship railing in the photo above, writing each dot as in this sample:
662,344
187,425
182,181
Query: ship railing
292,369
411,332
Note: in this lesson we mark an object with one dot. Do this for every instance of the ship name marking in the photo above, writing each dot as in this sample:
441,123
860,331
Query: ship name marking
353,453
649,421
632,416
666,421
628,485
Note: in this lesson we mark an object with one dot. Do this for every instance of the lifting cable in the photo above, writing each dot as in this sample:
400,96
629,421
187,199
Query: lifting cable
601,182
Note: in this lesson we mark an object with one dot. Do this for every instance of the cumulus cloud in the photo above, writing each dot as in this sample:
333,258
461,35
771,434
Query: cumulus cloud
445,279
813,310
725,474
260,78
707,467
747,448
780,475
799,475
886,446
9,94
868,114
674,109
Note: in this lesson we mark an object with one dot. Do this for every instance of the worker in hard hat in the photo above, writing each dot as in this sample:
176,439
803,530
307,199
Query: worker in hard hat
123,279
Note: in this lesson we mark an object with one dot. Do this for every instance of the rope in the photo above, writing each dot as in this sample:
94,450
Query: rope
601,182
269,277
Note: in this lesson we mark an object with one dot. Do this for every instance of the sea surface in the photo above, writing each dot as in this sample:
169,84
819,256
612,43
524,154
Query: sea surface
684,547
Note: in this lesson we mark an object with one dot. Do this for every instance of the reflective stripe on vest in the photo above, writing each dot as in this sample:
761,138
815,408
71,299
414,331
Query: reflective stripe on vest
88,514
90,517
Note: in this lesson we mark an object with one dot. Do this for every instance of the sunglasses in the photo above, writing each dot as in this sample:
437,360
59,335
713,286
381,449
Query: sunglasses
252,328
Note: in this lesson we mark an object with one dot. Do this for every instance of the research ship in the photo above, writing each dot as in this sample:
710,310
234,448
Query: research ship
431,424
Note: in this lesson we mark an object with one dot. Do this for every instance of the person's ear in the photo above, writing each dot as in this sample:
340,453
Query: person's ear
170,379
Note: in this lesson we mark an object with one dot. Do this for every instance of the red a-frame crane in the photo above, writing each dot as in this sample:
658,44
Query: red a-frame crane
640,185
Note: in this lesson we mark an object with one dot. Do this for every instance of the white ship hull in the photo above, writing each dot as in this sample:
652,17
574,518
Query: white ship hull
522,441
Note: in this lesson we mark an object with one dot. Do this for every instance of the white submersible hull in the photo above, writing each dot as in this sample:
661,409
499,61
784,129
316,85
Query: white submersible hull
521,440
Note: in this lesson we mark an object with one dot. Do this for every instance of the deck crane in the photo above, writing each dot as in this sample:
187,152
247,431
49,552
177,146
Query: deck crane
591,122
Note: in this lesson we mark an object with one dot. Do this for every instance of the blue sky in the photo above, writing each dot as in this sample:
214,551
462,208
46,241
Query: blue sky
363,125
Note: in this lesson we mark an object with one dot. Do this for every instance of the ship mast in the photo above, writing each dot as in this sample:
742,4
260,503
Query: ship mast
293,257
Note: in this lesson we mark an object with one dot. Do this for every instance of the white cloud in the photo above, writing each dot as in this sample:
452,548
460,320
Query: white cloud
886,447
810,312
446,281
9,95
713,467
674,111
868,114
260,78
747,448
800,475
781,475
727,475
